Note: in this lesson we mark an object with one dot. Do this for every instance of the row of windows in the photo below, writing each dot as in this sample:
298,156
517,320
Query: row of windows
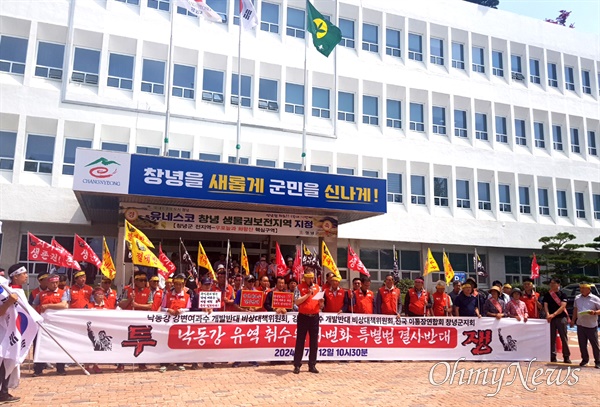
516,268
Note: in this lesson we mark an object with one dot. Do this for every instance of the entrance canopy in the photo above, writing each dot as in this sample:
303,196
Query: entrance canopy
106,182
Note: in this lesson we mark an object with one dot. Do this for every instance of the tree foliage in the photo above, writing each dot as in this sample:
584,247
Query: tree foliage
487,3
564,259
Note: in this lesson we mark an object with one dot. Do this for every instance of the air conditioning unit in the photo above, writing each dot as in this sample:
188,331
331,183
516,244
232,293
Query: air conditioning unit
518,76
78,77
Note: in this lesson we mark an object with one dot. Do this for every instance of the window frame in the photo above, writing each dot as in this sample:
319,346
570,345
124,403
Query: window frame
416,54
458,63
371,119
83,77
294,108
122,82
184,92
68,167
478,64
14,66
51,72
156,88
41,166
346,115
266,25
417,125
213,96
368,44
417,198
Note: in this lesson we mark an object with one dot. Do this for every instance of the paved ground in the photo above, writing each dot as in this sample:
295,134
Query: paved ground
341,384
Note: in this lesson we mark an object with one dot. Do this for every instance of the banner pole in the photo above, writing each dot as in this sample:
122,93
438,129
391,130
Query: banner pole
226,271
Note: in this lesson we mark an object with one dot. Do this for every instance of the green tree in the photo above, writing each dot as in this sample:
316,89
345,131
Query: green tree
563,259
487,3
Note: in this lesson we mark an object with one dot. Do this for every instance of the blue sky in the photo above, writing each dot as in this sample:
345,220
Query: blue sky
585,13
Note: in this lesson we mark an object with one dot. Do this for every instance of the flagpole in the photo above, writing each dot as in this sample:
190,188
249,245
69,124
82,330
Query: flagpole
305,99
335,75
238,146
226,273
169,73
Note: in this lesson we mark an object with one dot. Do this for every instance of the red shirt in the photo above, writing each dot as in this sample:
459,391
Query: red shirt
309,306
176,301
439,302
530,301
51,297
80,296
156,299
417,305
140,296
110,299
226,294
334,300
364,302
389,300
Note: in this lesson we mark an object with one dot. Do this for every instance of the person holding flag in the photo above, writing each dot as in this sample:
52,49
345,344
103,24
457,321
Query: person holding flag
531,298
5,315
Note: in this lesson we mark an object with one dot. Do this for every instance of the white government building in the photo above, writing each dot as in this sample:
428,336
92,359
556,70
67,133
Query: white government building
484,123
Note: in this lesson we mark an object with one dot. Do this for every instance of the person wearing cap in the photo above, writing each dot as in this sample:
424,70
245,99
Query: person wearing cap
249,282
336,298
515,307
261,267
308,320
155,293
456,289
110,295
586,309
225,289
531,298
506,291
388,300
417,302
495,306
206,285
466,304
42,284
442,303
504,296
80,292
363,299
221,262
555,305
52,298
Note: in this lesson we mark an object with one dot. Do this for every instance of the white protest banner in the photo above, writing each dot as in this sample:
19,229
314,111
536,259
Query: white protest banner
209,299
99,336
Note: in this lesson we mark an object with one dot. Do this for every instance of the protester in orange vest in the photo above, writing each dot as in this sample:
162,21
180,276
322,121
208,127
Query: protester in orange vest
308,320
62,282
364,300
417,302
42,284
336,299
175,303
388,301
80,292
265,284
110,295
442,303
280,287
155,293
225,289
531,299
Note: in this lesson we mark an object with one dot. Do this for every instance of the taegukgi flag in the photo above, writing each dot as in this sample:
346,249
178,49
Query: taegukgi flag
248,17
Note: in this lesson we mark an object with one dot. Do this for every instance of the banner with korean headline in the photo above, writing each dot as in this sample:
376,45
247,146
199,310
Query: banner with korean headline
104,336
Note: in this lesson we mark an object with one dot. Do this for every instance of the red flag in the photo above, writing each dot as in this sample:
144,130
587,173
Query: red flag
535,268
165,262
83,252
297,268
38,250
281,266
68,260
355,264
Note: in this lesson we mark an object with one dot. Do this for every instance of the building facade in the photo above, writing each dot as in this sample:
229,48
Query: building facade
485,124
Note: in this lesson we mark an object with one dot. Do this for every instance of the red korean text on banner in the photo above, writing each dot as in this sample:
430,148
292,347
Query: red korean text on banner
38,250
535,268
83,252
162,257
283,300
67,257
281,266
251,299
355,264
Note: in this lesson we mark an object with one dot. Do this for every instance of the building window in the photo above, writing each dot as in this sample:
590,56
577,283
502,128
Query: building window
295,23
212,85
596,199
370,173
292,166
544,203
557,138
524,206
392,43
108,146
417,190
462,194
120,71
346,106
538,130
246,90
294,98
483,195
501,133
153,76
266,163
270,17
183,81
209,157
534,71
147,150
585,82
370,39
133,2
439,120
478,60
458,56
394,187
516,268
440,191
240,160
515,65
592,150
415,47
561,203
39,154
220,7
179,153
521,134
579,205
504,195
481,126
320,101
370,110
267,95
436,46
86,64
8,142
13,52
552,75
71,146
347,29
497,64
394,114
345,171
319,168
569,78
49,62
575,148
162,5
416,117
460,123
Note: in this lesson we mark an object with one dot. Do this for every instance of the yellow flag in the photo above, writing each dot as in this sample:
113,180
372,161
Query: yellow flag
204,262
108,266
431,264
327,260
142,256
131,233
245,265
448,270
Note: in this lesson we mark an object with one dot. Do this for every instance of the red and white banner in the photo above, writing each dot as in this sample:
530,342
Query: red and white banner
69,261
355,264
38,250
99,336
83,252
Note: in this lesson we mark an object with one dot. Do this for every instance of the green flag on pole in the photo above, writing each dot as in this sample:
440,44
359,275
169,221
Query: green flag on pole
325,35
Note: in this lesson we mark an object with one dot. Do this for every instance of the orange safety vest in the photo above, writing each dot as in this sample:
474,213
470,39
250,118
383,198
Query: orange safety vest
439,302
177,301
364,302
156,299
51,297
389,300
531,304
110,299
139,296
226,294
310,306
34,294
417,305
80,296
334,300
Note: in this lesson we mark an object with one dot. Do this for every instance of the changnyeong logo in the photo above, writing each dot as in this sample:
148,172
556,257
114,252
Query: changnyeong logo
103,168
